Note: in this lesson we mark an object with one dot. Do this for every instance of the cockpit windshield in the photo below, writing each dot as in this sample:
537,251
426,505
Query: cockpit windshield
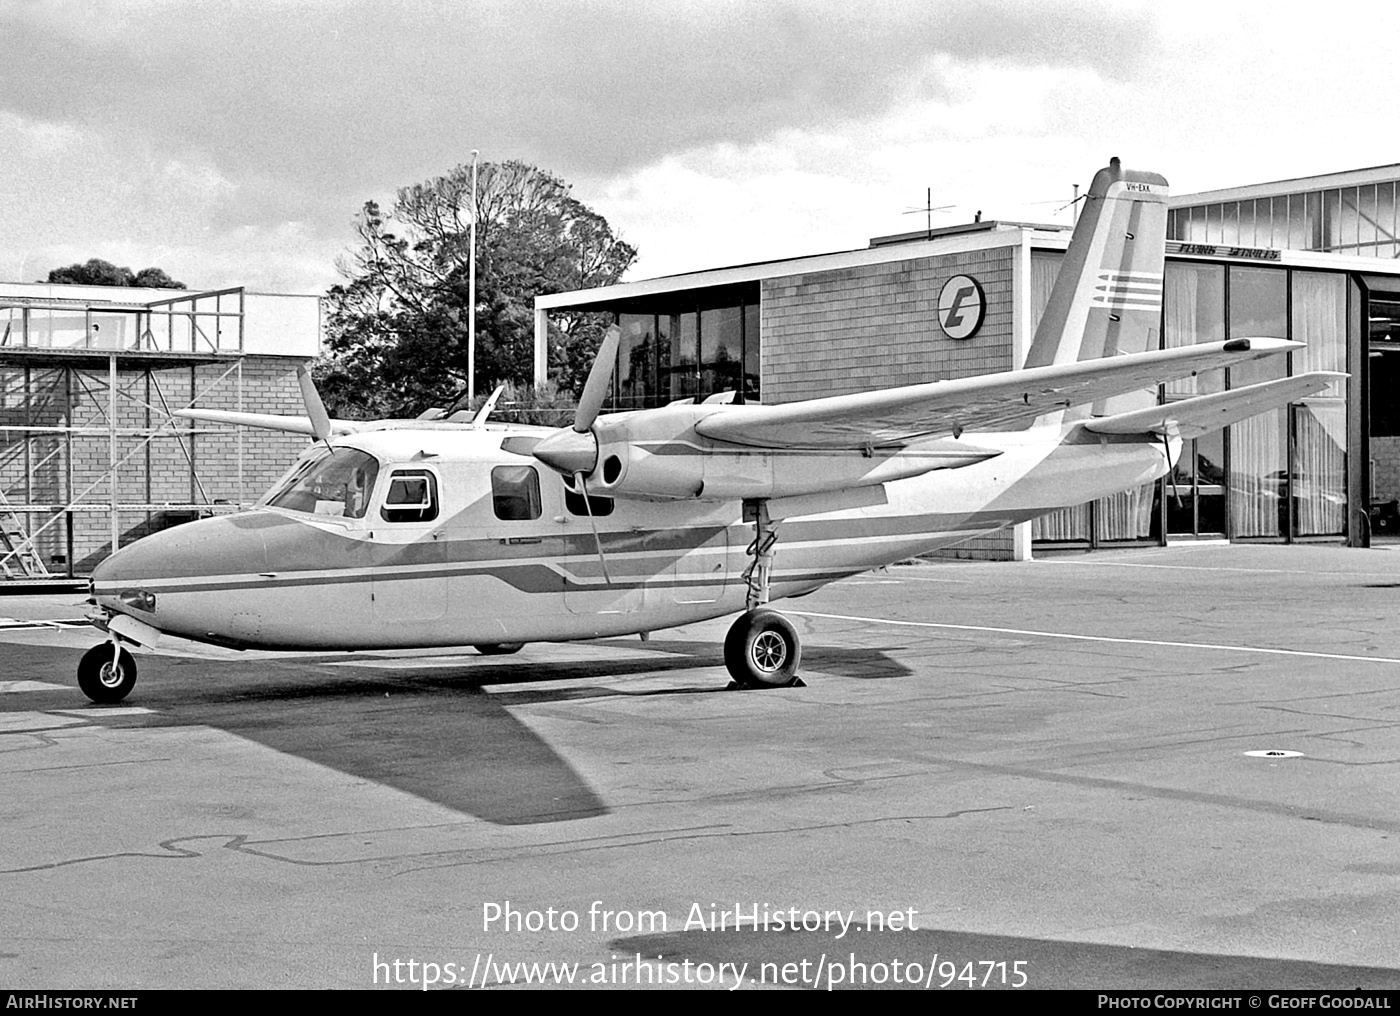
338,484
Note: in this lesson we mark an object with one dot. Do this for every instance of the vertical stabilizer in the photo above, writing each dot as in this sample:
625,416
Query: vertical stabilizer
1107,298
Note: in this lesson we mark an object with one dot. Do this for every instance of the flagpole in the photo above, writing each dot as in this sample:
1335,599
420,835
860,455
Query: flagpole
471,297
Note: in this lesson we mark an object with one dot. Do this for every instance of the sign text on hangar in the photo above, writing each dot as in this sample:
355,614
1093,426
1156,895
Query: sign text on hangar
962,306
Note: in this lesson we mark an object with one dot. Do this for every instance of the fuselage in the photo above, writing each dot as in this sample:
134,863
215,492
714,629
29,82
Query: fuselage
435,537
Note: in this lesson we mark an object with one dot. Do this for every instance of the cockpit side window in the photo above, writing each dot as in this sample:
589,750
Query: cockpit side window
339,484
515,492
412,496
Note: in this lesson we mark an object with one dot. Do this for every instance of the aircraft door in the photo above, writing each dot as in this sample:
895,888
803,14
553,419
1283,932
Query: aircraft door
410,585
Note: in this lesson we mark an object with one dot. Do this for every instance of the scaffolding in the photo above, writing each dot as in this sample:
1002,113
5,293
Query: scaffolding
91,455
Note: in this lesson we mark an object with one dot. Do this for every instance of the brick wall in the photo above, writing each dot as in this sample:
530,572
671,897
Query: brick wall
876,326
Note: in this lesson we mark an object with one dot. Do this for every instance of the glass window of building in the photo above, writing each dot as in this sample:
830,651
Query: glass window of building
688,345
636,361
685,355
1194,304
1257,468
721,349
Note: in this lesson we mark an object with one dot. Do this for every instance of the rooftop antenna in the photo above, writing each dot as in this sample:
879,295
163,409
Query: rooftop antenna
1073,204
928,209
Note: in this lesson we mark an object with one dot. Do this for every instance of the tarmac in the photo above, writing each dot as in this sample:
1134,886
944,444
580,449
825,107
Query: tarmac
1172,768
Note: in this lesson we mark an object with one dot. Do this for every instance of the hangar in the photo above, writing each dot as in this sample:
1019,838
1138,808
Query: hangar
90,458
1312,259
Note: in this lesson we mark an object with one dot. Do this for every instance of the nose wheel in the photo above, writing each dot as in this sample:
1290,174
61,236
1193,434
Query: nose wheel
107,673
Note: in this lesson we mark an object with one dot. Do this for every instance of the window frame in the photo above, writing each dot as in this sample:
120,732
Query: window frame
421,513
502,495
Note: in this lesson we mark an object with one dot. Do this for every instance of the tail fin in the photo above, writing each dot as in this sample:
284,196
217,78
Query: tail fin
1107,298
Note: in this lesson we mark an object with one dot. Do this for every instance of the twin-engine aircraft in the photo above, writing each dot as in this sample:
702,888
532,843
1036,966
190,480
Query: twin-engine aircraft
448,532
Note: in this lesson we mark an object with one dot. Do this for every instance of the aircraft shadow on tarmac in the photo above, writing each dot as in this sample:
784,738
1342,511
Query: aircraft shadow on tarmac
433,731
1047,963
863,663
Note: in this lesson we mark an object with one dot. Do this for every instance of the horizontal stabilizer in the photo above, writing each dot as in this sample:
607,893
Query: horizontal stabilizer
267,421
1203,414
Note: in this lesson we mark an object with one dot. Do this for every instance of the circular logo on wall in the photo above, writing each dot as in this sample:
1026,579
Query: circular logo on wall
961,307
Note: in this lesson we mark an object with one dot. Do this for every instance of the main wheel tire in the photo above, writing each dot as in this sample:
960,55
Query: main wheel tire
499,648
103,679
762,650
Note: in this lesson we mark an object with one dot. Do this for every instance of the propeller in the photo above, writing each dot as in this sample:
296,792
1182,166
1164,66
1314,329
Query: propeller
574,452
595,389
315,408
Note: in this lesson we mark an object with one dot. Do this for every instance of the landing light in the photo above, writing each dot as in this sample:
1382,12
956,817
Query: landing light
141,599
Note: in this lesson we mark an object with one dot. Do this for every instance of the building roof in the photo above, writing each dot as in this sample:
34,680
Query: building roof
948,240
1297,185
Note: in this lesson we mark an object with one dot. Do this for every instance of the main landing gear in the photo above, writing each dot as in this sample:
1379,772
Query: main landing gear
107,673
762,649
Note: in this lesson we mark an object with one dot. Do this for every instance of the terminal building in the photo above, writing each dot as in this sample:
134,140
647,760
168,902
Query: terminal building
1316,260
91,457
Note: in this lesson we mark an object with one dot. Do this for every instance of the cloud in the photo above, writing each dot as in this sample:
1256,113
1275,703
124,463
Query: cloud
309,108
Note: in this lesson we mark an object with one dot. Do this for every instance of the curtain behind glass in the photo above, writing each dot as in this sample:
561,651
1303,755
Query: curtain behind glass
1128,516
1319,469
1194,301
1320,320
1258,483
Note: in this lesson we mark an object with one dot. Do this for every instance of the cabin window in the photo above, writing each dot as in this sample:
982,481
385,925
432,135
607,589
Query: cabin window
515,493
574,501
412,497
338,484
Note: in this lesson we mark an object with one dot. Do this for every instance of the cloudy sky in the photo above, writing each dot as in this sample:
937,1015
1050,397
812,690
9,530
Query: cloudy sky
232,142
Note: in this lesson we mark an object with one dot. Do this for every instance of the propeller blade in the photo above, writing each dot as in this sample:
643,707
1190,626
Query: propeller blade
593,523
595,389
315,408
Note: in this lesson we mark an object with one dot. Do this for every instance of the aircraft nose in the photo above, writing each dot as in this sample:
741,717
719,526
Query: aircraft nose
217,546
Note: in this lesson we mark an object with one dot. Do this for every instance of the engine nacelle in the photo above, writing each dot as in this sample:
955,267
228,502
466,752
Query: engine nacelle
653,456
659,456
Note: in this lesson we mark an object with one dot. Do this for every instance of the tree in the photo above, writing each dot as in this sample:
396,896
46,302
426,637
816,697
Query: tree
397,328
96,272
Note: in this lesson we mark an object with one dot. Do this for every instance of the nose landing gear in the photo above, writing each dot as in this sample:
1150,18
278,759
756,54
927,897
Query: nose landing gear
107,673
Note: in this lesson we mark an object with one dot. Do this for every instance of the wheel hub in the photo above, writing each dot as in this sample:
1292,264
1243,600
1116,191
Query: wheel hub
110,675
769,652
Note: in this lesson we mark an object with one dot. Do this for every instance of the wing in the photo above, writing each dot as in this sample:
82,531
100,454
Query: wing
267,421
1005,401
1194,417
